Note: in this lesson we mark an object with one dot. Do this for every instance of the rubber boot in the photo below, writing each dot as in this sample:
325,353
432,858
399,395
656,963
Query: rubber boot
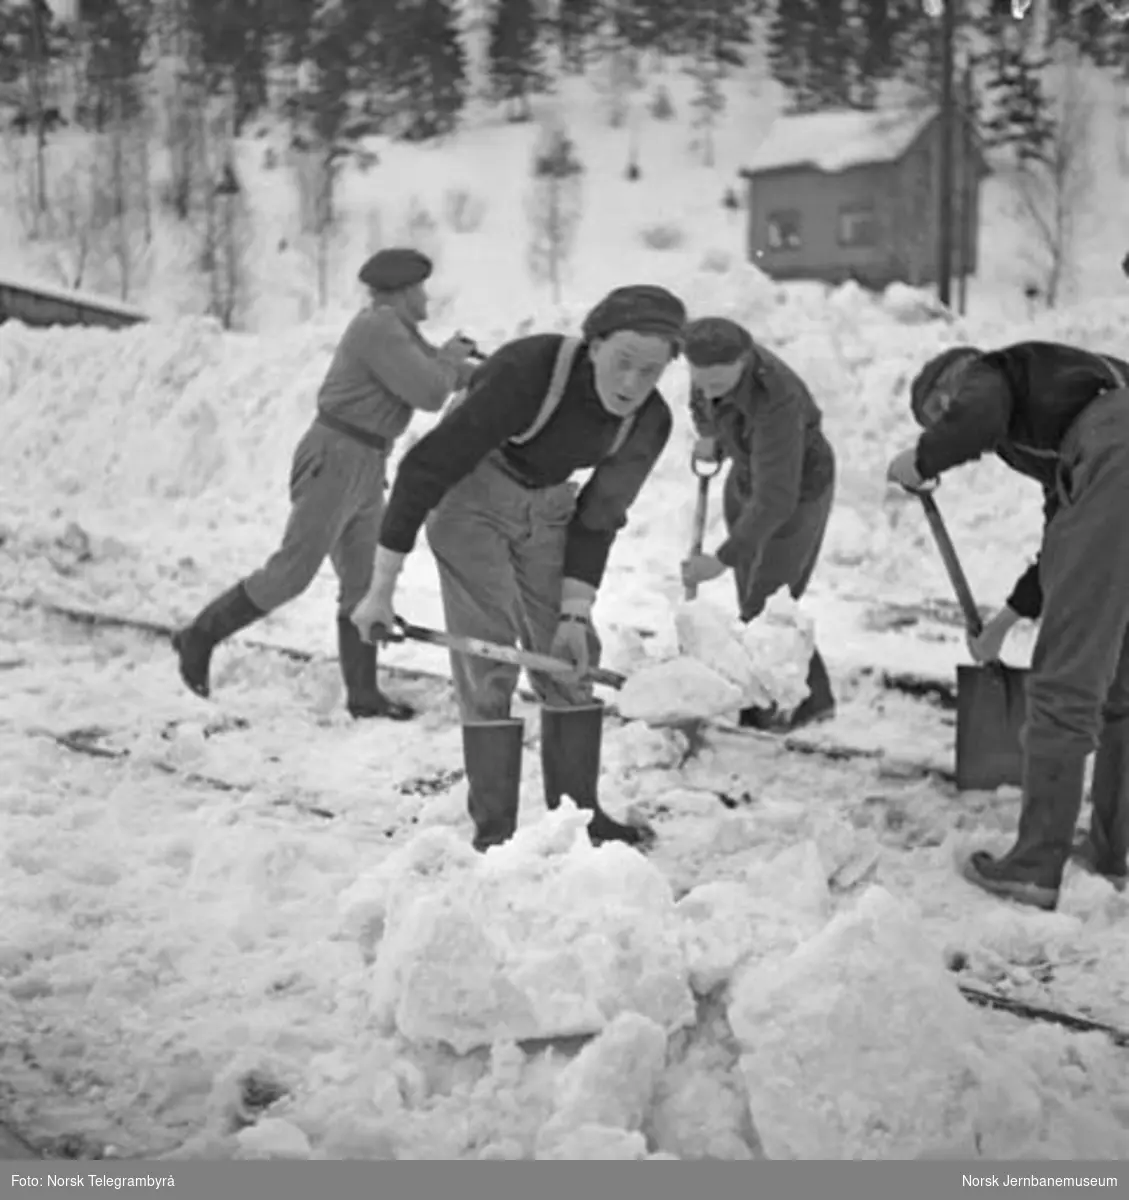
492,753
571,743
819,703
217,621
1031,871
1105,848
358,668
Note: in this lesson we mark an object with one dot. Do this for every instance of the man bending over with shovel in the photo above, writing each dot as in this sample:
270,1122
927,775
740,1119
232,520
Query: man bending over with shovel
1058,415
750,407
521,555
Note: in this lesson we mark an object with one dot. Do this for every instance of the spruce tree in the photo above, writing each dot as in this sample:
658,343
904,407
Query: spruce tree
516,61
114,33
429,68
575,23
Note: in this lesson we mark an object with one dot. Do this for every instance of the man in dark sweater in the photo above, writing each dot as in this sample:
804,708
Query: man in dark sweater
521,554
382,372
751,408
1060,416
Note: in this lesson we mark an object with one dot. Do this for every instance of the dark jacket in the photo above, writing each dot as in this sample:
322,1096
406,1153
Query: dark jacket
770,428
503,400
1019,402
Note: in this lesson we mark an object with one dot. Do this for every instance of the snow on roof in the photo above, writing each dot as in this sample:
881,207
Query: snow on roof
836,141
69,296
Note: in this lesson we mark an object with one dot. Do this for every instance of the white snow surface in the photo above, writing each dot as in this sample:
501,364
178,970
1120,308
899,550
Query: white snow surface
252,928
837,141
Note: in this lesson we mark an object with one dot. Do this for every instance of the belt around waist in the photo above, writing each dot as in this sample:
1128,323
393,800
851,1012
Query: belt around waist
374,441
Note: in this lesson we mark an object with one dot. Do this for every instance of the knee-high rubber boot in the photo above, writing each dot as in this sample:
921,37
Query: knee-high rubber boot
217,621
492,752
363,698
1031,871
1107,844
571,742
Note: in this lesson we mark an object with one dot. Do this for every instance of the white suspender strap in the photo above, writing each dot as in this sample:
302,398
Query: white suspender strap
566,355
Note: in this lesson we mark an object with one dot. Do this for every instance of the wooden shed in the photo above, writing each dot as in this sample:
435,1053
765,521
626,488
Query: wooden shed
849,194
41,304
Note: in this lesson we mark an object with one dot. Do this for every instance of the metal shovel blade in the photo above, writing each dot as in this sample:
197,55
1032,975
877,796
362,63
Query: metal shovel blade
991,708
991,699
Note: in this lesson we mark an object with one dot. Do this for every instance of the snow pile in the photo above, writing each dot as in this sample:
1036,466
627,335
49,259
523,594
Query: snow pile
859,1046
542,938
551,1000
723,665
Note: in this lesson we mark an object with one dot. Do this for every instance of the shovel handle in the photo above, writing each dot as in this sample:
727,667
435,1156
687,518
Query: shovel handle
953,569
701,507
476,646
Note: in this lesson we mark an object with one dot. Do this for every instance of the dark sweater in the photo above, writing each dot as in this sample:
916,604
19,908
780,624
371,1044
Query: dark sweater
771,429
1019,402
503,400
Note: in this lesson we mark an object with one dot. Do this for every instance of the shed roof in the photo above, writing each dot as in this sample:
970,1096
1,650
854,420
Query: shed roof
836,141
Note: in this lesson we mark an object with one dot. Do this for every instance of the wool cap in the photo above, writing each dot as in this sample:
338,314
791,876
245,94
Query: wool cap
641,308
395,268
715,342
930,375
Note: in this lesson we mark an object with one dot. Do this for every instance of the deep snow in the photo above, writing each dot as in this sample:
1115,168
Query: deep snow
193,927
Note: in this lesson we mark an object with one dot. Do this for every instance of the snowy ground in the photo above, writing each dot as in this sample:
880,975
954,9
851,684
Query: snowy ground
190,921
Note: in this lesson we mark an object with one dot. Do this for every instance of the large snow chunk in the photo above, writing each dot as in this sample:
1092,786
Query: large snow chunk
779,904
859,1044
766,660
612,1080
779,643
680,689
544,937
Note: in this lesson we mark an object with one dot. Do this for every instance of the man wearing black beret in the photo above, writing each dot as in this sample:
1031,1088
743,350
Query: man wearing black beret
521,552
1060,416
382,371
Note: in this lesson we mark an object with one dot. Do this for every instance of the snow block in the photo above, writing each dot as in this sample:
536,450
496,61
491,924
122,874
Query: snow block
779,644
680,689
272,1138
779,904
545,937
858,1045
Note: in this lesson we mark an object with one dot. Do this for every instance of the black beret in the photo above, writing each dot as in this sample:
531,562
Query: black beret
395,268
642,308
930,375
716,341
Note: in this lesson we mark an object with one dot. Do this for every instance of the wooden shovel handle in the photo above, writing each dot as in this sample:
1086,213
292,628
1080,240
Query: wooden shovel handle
953,568
698,536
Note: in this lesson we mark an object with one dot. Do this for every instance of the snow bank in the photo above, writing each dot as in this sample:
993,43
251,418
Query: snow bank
176,438
853,1039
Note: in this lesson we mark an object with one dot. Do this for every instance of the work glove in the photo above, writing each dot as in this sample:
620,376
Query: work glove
903,470
701,568
986,647
378,605
576,640
705,451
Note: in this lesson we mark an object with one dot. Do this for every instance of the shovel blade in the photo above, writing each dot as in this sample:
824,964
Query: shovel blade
991,709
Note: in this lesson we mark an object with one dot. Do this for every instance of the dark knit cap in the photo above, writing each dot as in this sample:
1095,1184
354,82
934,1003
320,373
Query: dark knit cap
395,268
930,374
641,308
715,342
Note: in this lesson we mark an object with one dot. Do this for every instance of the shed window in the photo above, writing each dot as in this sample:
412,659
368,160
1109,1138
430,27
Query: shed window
858,225
784,230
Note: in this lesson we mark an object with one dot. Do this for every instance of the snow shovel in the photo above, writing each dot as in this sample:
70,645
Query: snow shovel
991,699
528,659
705,471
